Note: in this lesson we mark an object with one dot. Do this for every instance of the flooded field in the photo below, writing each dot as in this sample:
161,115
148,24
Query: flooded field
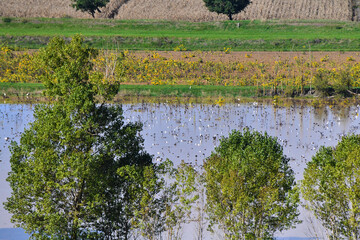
191,132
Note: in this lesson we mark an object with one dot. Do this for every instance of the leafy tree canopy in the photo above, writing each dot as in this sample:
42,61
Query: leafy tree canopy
90,6
250,187
227,7
331,188
70,171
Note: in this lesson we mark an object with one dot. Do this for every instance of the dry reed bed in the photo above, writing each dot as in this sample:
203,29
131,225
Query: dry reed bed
188,10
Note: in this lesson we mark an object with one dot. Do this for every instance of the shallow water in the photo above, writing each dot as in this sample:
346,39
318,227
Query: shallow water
190,133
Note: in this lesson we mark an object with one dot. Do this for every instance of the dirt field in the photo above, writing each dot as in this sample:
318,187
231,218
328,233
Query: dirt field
188,10
265,57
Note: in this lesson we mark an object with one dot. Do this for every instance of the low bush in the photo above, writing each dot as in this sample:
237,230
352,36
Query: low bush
6,19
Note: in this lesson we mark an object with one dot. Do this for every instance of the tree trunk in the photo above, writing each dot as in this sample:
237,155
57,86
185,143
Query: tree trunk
230,17
353,8
74,230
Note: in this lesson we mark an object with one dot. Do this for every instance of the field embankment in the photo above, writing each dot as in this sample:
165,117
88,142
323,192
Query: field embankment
274,35
185,10
33,92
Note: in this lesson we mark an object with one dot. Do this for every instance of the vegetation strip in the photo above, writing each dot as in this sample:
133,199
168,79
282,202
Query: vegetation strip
35,89
293,75
79,139
165,35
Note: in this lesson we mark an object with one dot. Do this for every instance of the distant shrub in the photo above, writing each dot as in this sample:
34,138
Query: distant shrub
89,6
321,82
290,92
227,50
227,7
66,16
350,59
7,19
181,47
325,58
342,82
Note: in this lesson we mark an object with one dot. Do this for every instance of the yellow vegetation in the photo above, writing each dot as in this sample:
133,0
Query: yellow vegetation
153,68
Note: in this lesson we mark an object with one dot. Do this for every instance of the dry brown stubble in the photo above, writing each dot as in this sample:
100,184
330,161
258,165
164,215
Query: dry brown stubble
187,10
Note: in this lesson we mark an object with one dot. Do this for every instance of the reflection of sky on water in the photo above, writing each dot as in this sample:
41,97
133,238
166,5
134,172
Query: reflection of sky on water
190,132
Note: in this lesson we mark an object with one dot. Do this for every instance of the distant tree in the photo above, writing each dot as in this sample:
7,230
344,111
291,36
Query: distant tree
90,6
73,172
250,187
331,188
227,7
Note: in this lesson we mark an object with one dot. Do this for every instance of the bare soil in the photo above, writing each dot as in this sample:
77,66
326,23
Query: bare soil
264,57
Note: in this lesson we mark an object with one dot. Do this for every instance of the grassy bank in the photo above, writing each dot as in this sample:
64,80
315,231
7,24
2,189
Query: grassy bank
21,89
180,91
167,35
187,91
31,93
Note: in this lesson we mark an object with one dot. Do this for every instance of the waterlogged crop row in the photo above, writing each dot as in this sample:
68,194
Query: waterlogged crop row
286,76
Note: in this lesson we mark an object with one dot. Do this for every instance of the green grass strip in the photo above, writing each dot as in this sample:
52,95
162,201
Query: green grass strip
146,90
188,91
166,35
23,87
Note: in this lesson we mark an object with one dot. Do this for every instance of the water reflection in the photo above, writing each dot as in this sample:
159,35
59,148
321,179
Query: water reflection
190,132
13,119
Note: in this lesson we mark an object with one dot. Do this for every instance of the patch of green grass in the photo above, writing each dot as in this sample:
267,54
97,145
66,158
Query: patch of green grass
146,90
168,44
188,91
248,30
26,87
21,92
32,92
165,35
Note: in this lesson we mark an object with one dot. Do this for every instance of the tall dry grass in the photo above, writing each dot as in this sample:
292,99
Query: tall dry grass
38,8
195,10
189,10
52,9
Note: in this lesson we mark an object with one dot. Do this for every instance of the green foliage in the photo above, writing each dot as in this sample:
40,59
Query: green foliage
66,172
250,187
182,197
67,67
228,7
331,188
339,81
164,196
90,6
7,19
275,35
148,197
321,82
343,81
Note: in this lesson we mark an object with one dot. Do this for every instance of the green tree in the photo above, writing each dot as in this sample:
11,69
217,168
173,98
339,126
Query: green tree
321,82
67,172
90,6
166,198
343,81
182,197
227,7
149,194
250,187
168,202
331,188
